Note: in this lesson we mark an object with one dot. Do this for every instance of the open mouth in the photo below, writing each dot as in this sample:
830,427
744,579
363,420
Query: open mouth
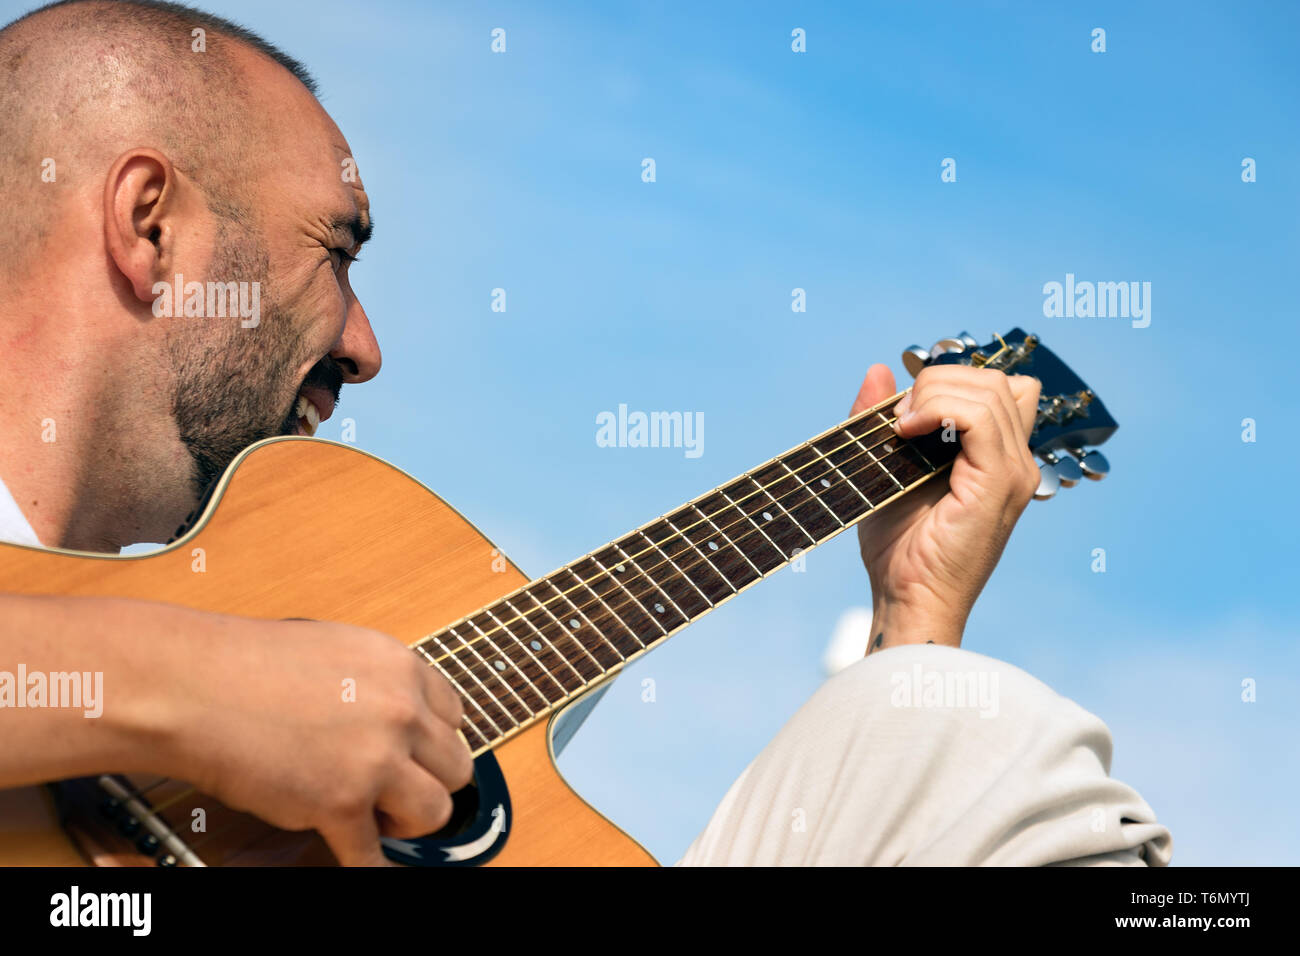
313,406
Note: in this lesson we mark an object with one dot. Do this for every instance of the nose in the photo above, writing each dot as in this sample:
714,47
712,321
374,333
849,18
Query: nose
357,351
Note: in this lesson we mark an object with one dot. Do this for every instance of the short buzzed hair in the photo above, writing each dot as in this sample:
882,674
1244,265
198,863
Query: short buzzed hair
162,15
78,75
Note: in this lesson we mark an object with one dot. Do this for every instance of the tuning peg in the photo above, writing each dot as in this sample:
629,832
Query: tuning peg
1048,482
968,340
947,345
915,358
1093,465
1068,470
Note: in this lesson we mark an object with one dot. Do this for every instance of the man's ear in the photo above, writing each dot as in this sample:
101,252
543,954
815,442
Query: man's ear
140,200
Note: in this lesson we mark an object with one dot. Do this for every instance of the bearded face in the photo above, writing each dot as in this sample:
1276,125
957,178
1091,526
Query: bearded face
234,386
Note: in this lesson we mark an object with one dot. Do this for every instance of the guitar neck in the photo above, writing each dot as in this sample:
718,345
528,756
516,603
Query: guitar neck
558,636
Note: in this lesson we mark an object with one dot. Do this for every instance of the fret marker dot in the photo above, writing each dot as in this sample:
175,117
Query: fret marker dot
536,645
574,624
767,516
825,483
713,546
619,569
889,449
659,608
501,665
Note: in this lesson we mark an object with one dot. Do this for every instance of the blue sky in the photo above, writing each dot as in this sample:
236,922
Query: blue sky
821,170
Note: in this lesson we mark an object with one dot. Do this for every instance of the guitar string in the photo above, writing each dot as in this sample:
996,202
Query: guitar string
493,698
750,519
704,561
158,809
561,595
994,361
681,534
820,457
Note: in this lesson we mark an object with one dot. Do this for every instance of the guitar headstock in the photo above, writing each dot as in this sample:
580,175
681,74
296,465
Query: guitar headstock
1070,415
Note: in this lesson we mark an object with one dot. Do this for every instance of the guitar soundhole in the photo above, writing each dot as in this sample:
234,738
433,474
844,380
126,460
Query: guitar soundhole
464,810
477,829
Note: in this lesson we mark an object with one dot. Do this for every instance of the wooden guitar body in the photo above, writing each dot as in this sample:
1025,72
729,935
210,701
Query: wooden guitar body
385,553
300,528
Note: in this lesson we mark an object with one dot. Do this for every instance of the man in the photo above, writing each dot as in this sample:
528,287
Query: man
131,157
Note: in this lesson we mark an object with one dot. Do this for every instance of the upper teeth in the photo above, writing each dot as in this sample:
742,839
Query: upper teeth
307,411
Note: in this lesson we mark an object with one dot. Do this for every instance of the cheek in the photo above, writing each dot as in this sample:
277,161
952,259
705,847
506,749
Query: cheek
320,313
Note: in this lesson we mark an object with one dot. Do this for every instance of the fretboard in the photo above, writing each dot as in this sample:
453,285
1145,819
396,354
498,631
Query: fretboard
558,636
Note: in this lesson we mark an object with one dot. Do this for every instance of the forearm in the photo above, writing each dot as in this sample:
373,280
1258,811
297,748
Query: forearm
120,710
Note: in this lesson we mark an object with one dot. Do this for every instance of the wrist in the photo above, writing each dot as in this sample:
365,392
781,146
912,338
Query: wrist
166,709
895,622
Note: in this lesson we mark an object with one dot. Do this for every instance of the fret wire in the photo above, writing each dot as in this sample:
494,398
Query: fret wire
707,562
600,634
430,658
782,508
757,527
765,490
492,673
916,447
635,603
876,461
888,451
618,617
657,586
727,538
470,697
835,468
677,569
807,489
518,670
832,534
863,447
468,691
813,494
434,661
474,727
529,651
582,681
878,469
565,631
836,495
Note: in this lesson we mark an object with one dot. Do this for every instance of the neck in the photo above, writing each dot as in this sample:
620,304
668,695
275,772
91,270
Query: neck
81,427
560,635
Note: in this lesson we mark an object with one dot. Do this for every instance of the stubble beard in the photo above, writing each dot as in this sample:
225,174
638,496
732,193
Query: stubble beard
232,385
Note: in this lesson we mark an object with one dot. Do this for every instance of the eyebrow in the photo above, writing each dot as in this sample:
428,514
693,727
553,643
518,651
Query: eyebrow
360,230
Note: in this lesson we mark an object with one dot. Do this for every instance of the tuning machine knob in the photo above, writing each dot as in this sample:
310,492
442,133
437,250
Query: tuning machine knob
954,344
1066,468
1048,482
1057,472
1093,464
915,358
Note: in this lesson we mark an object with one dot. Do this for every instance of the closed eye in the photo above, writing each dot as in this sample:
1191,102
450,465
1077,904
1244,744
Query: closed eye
345,257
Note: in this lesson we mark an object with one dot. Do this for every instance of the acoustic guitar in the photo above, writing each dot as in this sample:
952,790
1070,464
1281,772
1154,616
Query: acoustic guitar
523,653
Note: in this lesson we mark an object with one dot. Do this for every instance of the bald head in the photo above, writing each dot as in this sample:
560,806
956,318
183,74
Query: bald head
174,268
83,80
